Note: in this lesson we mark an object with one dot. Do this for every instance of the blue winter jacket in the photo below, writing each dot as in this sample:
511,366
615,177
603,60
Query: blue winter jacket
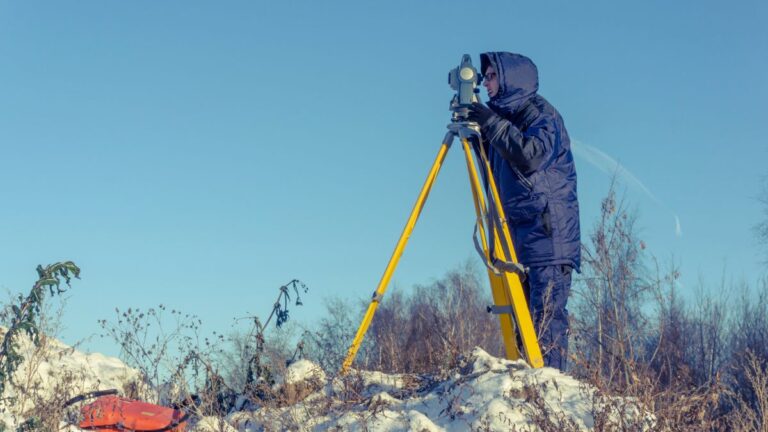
530,156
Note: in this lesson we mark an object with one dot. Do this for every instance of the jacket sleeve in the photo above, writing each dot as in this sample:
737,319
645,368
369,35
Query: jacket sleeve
528,150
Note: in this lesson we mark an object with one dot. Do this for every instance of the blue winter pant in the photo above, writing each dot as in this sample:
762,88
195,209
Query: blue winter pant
547,290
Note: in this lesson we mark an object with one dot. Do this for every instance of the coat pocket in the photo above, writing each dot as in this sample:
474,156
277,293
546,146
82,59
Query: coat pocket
526,210
546,222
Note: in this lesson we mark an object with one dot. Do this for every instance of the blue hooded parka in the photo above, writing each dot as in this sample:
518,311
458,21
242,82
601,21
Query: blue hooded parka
532,163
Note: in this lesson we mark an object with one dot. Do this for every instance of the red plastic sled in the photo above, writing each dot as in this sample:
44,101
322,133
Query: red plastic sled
115,414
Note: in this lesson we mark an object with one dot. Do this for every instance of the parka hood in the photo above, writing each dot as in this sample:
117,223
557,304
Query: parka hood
518,80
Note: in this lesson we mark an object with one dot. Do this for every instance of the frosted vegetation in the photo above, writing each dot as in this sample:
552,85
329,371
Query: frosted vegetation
483,393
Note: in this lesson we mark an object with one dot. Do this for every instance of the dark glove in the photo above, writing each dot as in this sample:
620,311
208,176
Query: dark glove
480,113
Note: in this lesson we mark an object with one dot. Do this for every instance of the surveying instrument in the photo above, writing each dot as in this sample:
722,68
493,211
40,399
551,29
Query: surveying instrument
495,245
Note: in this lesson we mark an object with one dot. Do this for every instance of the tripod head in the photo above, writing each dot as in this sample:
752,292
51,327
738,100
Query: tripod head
465,80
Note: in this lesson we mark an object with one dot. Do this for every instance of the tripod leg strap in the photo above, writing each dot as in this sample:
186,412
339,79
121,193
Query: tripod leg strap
497,266
483,255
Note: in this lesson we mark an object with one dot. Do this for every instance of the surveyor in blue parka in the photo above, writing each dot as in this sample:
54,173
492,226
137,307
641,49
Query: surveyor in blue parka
531,160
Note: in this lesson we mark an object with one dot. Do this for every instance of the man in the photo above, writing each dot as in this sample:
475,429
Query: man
531,160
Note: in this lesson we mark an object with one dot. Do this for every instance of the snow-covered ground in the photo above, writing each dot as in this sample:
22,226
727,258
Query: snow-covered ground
54,370
485,394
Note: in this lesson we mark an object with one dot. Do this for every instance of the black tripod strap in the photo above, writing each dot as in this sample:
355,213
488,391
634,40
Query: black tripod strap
481,252
91,395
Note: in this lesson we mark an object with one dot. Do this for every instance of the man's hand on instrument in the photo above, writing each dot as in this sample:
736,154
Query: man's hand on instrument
480,113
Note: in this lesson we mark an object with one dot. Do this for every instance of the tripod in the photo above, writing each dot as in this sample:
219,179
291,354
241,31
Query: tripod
504,271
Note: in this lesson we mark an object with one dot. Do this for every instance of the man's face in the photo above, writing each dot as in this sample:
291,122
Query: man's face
491,81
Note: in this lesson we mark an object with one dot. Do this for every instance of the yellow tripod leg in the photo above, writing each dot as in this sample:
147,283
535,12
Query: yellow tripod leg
501,295
512,285
385,278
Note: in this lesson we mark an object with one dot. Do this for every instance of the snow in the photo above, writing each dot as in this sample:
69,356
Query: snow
212,424
303,370
485,393
56,367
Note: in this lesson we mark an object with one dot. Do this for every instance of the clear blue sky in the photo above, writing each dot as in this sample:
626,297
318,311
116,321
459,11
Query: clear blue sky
201,154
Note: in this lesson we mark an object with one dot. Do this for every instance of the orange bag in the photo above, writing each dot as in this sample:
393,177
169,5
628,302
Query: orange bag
115,414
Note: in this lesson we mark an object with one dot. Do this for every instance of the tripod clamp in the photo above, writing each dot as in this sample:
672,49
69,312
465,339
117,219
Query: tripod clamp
462,129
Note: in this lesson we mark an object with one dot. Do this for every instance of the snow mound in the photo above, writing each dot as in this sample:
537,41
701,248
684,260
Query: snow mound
54,370
303,370
486,393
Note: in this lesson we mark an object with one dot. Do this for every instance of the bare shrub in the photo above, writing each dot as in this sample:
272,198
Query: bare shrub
749,322
329,340
178,364
746,359
609,322
429,328
259,354
751,414
167,351
761,229
707,335
634,336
